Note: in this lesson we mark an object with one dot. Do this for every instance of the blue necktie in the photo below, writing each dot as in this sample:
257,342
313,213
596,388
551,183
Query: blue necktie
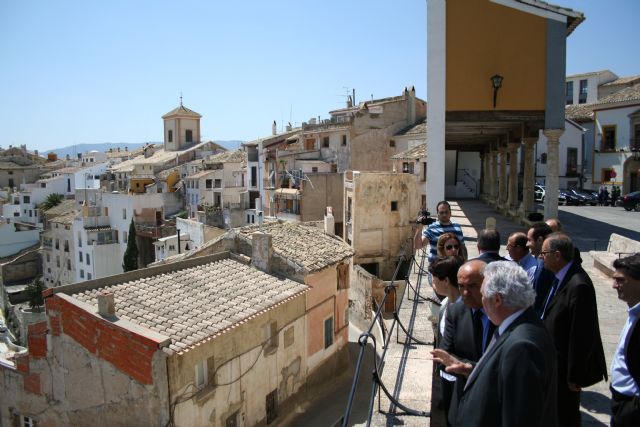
552,292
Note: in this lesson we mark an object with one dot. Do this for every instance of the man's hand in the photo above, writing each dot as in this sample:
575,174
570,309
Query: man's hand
451,363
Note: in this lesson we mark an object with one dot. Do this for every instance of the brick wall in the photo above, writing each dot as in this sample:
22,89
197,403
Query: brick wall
128,351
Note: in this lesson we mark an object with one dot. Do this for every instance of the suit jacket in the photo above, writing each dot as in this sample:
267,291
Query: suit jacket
490,257
459,340
542,281
632,356
572,320
514,384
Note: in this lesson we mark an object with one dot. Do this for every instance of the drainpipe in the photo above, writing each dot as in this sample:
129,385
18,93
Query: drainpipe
178,240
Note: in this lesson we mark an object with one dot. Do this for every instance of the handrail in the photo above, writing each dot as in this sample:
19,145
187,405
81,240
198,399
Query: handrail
364,338
466,177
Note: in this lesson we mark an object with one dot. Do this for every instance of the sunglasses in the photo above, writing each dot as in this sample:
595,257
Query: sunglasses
449,247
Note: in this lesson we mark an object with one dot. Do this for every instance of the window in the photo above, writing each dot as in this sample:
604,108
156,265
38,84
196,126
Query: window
271,406
607,175
170,136
43,185
328,332
582,96
81,273
569,93
270,338
48,258
407,167
543,158
124,237
325,142
201,375
88,260
346,316
289,337
392,143
394,206
232,420
188,135
342,278
26,199
344,140
309,144
26,421
68,264
66,246
172,247
572,161
424,171
608,138
57,244
217,183
254,176
80,256
79,240
124,214
58,261
208,184
314,169
88,276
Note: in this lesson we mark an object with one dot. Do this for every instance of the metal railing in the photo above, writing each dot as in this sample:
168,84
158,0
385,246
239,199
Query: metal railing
469,181
378,363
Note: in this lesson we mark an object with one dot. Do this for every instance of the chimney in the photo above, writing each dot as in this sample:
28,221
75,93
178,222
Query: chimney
274,128
329,222
261,251
349,102
411,105
35,153
106,304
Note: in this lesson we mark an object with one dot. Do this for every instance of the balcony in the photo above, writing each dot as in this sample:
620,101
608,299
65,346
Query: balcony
155,231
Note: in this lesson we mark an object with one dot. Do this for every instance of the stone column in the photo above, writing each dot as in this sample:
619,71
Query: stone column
483,175
493,178
552,181
512,199
502,189
528,176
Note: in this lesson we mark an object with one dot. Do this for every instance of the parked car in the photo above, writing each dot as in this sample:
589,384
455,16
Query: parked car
570,197
631,201
539,193
588,197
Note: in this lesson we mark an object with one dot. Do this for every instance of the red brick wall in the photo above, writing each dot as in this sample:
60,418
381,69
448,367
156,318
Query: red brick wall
130,352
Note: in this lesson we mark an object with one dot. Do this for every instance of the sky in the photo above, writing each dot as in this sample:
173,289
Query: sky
89,71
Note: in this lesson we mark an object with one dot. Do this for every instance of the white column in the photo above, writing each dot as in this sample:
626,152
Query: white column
552,181
436,81
512,199
528,176
502,182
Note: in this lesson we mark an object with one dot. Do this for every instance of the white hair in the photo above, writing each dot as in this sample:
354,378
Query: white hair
509,280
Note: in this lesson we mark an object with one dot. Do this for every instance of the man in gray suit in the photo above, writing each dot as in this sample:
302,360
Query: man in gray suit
514,382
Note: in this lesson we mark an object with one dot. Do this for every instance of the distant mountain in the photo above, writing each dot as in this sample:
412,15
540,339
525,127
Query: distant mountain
73,150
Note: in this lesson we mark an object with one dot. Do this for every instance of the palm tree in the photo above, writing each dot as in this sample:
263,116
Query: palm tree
52,200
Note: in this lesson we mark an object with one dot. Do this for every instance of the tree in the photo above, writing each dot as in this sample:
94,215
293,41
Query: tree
34,294
130,261
52,200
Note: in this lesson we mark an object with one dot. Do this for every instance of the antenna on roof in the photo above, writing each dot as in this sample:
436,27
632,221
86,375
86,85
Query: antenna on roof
181,99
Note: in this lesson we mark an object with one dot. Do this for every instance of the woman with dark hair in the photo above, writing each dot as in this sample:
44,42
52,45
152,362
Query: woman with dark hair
450,245
444,273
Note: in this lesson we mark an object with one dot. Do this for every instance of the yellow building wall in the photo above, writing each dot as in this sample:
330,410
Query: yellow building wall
171,181
137,185
484,39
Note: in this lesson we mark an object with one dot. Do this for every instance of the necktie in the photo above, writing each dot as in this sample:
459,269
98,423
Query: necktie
552,292
478,331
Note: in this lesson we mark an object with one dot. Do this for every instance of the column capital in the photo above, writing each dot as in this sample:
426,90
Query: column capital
513,146
553,135
529,141
502,149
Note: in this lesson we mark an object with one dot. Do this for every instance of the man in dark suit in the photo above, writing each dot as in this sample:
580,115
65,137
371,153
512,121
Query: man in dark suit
489,246
542,278
570,314
468,330
514,382
625,369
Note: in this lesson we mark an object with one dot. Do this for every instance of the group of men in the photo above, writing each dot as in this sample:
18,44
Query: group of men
524,339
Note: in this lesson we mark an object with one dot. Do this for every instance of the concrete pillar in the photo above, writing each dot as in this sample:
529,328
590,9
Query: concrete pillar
502,182
493,176
512,199
552,181
528,176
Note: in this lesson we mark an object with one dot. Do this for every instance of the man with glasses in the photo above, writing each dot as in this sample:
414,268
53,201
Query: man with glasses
570,314
438,228
625,368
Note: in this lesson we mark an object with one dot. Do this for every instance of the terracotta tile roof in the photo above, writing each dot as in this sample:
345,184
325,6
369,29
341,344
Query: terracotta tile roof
66,218
194,304
574,18
235,156
163,175
306,246
182,111
579,112
65,206
631,93
417,152
623,81
419,128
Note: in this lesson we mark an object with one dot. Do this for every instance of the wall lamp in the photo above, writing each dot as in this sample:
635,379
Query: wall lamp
496,82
